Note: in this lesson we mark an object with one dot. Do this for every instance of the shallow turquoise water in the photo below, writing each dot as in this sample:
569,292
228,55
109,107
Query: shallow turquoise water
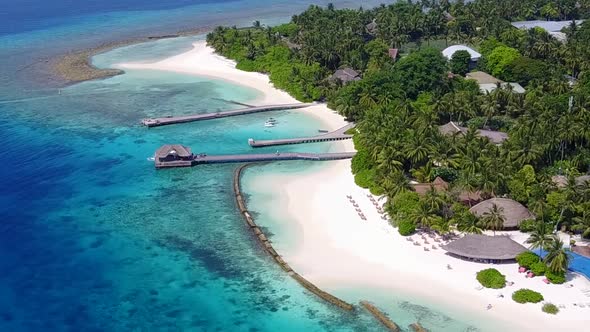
92,237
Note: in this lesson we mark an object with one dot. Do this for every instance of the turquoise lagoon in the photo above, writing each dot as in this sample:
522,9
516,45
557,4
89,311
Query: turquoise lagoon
92,237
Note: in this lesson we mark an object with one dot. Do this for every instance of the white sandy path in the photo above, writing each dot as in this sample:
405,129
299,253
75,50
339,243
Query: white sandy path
202,61
338,250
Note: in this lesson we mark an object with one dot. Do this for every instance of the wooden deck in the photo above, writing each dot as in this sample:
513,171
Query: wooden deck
254,157
155,122
336,135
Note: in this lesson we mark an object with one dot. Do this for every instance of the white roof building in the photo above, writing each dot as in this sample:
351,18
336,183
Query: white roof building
552,27
449,51
489,87
549,26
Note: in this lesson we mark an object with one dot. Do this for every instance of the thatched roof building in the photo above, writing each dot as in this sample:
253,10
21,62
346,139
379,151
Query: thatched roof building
346,75
173,155
439,185
514,212
485,248
488,83
561,180
451,128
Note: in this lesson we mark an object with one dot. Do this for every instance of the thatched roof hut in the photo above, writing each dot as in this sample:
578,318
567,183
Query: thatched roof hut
438,184
561,180
173,155
451,128
346,75
483,247
514,212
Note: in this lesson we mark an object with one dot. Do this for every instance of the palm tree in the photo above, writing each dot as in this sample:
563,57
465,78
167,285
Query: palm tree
540,237
557,259
469,223
494,218
582,223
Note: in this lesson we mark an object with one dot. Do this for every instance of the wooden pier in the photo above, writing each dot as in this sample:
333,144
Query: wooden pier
336,135
176,155
155,122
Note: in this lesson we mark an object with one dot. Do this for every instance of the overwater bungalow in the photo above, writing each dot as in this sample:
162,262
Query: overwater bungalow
485,249
513,212
173,155
451,128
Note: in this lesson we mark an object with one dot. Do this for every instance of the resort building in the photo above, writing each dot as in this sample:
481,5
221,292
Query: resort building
512,211
346,75
451,128
173,155
554,28
561,181
488,83
485,249
440,185
475,56
393,53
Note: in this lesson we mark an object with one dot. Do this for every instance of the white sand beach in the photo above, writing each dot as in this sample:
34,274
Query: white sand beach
338,250
202,61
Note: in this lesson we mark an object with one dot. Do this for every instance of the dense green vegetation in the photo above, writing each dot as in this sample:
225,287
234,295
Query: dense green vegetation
398,105
527,259
491,278
527,296
550,308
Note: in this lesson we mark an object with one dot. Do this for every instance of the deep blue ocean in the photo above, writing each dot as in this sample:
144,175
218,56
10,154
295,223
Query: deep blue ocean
92,237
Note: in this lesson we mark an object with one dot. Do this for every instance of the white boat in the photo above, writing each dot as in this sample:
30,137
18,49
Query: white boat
269,124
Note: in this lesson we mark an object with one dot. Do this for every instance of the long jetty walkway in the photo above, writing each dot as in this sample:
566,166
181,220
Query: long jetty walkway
155,122
257,157
336,135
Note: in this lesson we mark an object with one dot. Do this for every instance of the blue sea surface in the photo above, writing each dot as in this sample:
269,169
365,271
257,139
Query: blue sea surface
92,237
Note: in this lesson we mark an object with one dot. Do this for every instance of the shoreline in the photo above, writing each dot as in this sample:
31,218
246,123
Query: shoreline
76,66
371,254
202,61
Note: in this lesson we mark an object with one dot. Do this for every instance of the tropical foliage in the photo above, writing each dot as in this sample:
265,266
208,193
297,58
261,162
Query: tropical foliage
491,278
527,296
550,308
399,104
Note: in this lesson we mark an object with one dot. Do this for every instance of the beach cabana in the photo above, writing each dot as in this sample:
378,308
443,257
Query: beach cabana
513,212
486,249
346,75
452,128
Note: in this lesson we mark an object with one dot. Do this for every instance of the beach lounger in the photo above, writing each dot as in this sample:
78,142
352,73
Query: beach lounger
434,247
426,249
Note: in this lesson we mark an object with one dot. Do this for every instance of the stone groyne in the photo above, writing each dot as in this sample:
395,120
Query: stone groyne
263,240
418,328
380,316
